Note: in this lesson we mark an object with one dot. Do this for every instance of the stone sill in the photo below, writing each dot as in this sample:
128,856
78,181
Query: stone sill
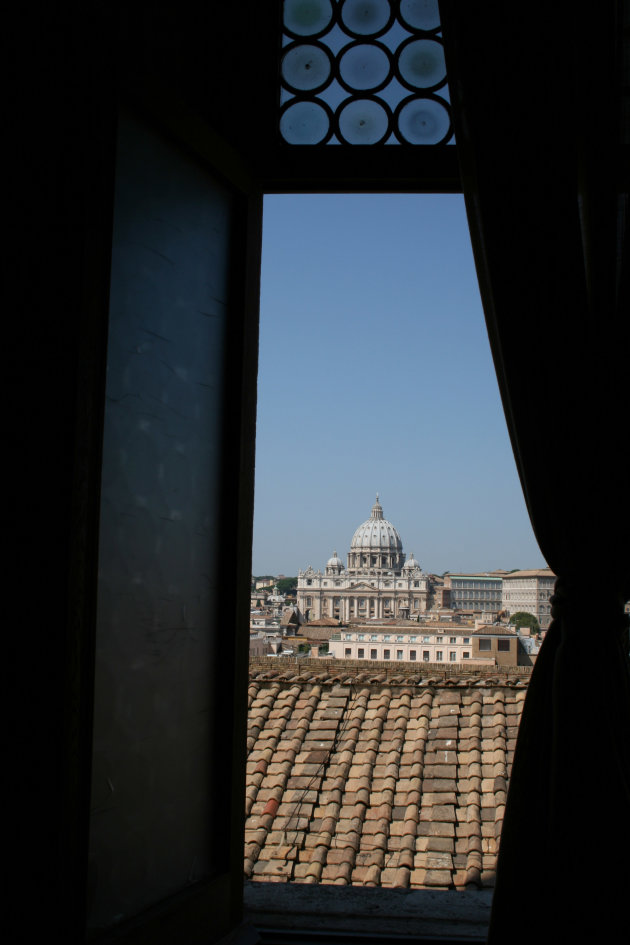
299,911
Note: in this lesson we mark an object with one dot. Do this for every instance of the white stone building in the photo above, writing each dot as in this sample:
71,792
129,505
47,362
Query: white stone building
529,591
408,643
489,644
479,593
378,582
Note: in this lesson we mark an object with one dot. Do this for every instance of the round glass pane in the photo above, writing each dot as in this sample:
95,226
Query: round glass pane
420,14
306,67
423,121
304,123
421,63
366,17
363,121
307,17
364,66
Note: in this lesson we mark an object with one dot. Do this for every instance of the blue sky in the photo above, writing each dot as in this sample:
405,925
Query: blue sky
375,375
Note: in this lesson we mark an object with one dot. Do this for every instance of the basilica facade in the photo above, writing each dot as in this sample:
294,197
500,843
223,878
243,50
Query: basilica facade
377,582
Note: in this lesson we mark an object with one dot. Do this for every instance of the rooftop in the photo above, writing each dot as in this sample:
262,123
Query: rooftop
368,779
394,623
493,630
539,572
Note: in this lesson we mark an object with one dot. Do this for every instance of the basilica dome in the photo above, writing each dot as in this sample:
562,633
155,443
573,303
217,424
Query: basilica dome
376,534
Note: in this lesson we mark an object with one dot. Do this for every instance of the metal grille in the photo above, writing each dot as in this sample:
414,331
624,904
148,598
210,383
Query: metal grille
363,72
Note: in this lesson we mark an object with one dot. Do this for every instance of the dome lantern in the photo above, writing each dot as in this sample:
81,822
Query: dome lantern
377,509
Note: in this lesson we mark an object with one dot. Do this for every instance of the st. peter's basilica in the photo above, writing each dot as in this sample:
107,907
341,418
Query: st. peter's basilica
377,583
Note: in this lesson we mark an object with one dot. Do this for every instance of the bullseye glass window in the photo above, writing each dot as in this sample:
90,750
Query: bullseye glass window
363,72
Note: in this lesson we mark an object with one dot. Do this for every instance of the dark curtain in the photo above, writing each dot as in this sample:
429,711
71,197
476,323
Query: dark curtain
538,108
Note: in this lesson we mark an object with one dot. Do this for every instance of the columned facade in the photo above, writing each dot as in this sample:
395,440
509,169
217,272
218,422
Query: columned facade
378,582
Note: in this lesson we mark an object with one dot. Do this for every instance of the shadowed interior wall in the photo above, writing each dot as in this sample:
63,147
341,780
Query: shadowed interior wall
153,787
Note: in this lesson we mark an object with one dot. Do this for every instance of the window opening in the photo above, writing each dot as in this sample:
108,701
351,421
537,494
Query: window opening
329,425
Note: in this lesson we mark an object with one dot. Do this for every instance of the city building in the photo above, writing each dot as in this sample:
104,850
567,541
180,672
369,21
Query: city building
475,593
529,591
432,643
406,643
378,581
263,644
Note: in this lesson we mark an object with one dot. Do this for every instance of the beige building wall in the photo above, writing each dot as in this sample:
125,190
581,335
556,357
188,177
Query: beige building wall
421,645
529,591
502,649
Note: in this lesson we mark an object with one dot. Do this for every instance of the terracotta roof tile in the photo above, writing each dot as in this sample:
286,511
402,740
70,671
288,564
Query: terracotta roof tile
438,844
399,781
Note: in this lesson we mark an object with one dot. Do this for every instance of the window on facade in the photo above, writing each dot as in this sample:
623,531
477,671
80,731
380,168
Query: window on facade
425,656
412,639
361,636
348,651
373,654
503,645
485,644
438,656
466,655
412,654
426,639
467,640
399,638
361,653
452,639
386,654
387,636
452,656
373,636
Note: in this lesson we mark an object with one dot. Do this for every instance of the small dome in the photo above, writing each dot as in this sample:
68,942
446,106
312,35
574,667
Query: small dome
377,534
411,564
335,562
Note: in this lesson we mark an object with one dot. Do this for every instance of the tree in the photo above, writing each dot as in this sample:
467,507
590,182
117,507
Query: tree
287,585
522,619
